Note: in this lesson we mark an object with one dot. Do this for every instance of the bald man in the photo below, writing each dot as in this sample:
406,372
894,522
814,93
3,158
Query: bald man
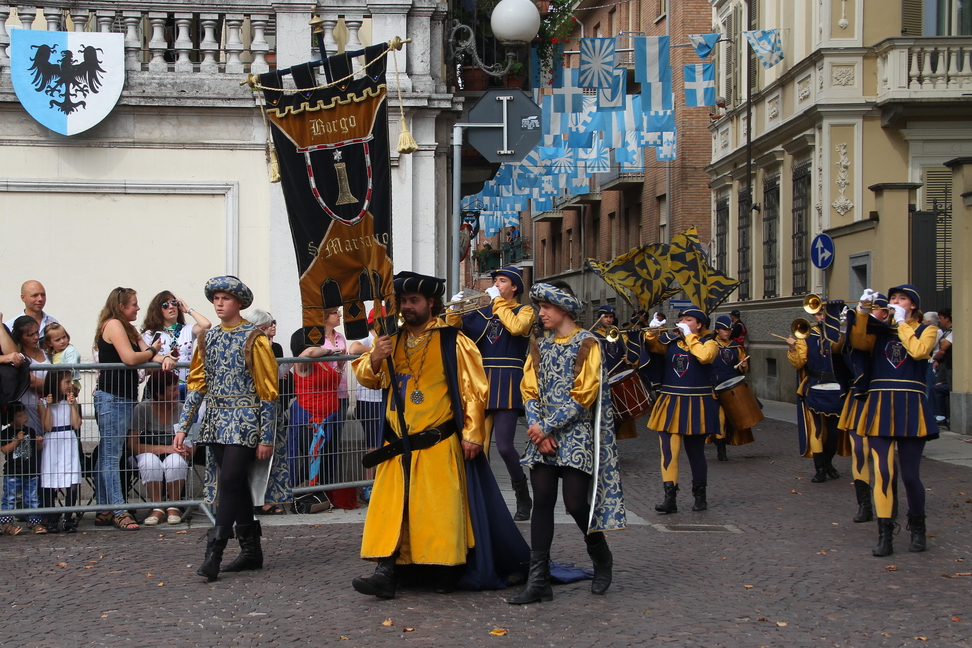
34,296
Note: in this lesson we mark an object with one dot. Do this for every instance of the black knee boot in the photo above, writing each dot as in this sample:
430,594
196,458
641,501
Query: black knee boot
251,553
885,537
916,524
865,512
821,468
523,502
720,445
538,583
832,472
216,539
669,505
698,491
603,566
381,583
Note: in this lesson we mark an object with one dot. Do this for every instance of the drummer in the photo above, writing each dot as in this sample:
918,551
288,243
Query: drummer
686,411
731,362
821,392
857,362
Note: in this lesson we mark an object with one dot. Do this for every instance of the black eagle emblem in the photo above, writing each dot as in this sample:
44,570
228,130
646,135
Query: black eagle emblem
67,80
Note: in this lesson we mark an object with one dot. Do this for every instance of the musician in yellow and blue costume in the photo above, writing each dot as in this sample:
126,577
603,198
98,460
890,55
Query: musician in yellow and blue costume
858,364
686,410
234,372
896,418
571,429
730,363
613,353
422,510
821,391
501,331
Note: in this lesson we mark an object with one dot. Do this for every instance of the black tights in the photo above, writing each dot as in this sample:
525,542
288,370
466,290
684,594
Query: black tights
504,429
576,488
233,489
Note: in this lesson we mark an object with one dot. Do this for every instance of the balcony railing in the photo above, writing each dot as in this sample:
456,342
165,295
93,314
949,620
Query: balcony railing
516,251
932,67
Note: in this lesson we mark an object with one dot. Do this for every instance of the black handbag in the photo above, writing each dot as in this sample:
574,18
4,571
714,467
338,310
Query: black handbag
312,503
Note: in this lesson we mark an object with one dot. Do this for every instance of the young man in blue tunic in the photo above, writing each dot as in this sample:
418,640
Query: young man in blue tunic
572,439
234,372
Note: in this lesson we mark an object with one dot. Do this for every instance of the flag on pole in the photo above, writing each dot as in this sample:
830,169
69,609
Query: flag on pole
703,44
700,88
653,70
767,46
597,62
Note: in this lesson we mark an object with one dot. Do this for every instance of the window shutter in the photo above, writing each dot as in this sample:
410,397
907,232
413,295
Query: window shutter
911,23
937,188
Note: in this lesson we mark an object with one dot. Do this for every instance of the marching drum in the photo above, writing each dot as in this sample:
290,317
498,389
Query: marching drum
740,405
629,395
825,398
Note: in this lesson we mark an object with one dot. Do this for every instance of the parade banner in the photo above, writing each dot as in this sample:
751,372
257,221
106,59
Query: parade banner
704,285
332,145
642,277
67,81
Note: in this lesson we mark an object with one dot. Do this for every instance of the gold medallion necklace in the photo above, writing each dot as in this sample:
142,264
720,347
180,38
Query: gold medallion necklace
412,344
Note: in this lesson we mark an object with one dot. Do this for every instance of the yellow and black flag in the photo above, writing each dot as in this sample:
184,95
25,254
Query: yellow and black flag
705,286
642,276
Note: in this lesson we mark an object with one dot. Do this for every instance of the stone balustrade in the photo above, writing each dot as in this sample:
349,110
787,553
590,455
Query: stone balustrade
924,67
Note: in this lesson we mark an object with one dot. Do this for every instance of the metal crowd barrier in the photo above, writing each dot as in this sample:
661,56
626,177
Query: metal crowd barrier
323,457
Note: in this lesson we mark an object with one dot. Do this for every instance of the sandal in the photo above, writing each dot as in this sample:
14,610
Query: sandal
154,519
104,518
38,529
273,510
125,522
174,516
11,529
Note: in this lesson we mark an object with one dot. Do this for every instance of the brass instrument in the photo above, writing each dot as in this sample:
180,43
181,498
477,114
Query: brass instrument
614,334
813,304
799,328
470,301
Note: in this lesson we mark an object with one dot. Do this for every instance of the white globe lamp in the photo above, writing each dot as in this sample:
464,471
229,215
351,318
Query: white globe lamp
515,21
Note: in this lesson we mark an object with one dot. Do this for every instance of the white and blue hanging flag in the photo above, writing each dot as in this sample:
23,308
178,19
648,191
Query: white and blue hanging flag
613,98
568,96
551,121
703,44
700,88
657,122
767,46
667,151
653,70
597,62
597,159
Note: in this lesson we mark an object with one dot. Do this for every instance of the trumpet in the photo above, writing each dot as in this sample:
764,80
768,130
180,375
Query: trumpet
799,328
813,304
470,301
614,334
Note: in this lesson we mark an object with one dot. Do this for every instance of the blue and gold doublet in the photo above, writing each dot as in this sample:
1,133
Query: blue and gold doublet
557,366
686,404
503,352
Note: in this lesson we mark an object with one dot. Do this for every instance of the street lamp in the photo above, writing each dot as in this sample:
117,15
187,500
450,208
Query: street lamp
514,22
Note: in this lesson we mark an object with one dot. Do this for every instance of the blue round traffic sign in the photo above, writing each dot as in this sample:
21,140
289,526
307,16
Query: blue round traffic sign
822,251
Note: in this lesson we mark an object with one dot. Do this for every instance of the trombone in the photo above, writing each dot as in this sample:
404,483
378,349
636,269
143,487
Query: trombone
799,328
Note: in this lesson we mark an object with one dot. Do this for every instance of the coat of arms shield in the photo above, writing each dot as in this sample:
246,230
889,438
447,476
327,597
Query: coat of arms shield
67,81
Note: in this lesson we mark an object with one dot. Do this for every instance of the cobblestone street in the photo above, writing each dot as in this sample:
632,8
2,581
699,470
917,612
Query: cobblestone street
786,567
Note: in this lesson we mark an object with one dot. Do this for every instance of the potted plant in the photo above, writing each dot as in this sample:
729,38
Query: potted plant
515,75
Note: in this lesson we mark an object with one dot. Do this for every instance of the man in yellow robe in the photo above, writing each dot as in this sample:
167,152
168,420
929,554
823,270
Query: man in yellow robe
419,511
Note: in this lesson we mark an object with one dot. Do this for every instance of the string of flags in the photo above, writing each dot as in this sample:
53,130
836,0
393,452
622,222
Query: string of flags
591,124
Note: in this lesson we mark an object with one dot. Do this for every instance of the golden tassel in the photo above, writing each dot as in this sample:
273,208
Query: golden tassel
274,166
406,143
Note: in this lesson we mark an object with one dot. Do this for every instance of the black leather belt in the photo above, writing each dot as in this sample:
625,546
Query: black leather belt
822,375
418,441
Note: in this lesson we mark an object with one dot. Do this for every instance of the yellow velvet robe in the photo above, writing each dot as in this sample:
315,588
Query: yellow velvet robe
437,529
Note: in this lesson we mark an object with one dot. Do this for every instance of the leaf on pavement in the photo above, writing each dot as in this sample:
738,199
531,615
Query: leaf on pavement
62,564
748,586
408,629
795,492
499,632
782,624
955,618
386,622
891,568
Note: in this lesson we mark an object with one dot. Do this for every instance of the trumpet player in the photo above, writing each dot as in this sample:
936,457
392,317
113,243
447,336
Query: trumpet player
502,333
821,392
614,351
896,418
731,361
857,362
686,409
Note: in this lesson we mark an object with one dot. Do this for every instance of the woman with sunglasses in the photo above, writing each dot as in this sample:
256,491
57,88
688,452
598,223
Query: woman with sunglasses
166,317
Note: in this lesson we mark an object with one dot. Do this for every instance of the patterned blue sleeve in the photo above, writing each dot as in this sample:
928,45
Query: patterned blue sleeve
268,422
532,411
562,416
193,400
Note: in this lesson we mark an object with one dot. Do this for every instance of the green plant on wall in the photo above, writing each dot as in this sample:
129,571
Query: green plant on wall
555,29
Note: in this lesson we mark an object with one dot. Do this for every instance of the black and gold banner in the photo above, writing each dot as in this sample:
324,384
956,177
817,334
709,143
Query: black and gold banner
332,145
642,276
704,285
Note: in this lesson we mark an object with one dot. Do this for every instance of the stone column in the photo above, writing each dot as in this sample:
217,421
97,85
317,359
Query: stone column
389,19
961,414
420,49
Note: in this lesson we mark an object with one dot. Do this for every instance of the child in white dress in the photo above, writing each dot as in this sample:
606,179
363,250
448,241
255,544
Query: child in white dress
60,417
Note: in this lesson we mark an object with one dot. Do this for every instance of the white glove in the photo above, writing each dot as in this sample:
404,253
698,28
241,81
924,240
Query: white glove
493,292
456,298
684,328
865,301
899,313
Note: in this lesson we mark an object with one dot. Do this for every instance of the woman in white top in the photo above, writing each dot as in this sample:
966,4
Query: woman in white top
338,344
166,317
